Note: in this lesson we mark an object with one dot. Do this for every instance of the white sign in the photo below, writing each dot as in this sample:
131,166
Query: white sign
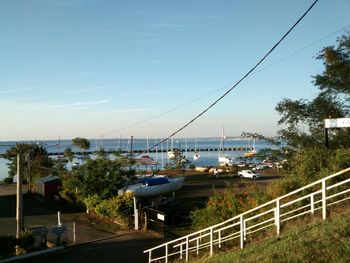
160,217
337,123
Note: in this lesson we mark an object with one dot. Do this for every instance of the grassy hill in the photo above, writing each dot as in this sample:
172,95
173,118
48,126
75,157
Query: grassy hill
322,241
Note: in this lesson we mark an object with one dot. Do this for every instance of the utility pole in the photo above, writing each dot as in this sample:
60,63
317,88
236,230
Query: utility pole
131,146
29,172
131,149
19,199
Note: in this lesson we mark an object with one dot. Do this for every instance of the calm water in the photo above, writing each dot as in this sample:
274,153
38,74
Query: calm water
207,158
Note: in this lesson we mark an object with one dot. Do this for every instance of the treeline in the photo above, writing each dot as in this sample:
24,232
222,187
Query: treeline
306,155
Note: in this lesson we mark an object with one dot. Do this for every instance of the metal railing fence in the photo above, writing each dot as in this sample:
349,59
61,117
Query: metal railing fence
268,217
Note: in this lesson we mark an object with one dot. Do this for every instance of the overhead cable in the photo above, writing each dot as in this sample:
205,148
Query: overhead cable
237,83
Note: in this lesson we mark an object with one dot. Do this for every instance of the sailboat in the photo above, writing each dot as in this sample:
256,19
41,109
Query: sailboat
252,151
146,159
224,159
171,152
196,155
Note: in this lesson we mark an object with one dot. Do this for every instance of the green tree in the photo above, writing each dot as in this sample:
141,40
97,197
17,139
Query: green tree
69,154
81,143
40,163
101,177
303,119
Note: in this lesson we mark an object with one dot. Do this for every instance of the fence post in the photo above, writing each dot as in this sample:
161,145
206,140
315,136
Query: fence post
245,230
59,223
211,241
74,238
324,200
187,248
277,217
181,250
219,236
150,256
166,253
242,231
312,204
197,246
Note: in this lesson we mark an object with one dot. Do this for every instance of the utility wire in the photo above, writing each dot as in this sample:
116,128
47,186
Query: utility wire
219,89
237,83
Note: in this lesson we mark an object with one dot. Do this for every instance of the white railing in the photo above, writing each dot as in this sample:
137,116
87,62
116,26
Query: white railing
316,196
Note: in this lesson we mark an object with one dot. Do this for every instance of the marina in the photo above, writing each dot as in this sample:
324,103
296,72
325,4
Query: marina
207,148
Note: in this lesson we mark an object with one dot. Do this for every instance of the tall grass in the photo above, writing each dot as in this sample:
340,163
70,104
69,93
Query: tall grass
327,241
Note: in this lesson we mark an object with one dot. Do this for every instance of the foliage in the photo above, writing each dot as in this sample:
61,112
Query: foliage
8,180
326,241
223,205
303,119
118,207
68,154
39,159
8,244
178,162
101,177
81,143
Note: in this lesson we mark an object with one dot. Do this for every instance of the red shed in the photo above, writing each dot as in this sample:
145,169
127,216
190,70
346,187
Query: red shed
48,186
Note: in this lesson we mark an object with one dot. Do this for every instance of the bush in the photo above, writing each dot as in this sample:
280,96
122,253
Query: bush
8,244
118,208
8,180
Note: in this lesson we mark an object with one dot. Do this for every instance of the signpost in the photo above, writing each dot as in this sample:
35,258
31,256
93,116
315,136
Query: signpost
333,124
337,123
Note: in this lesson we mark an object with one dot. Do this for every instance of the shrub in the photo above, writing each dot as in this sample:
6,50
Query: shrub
8,180
8,244
118,208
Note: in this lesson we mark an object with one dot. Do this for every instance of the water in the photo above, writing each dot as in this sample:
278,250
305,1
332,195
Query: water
207,158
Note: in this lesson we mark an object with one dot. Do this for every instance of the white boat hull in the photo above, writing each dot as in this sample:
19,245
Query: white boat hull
225,160
141,190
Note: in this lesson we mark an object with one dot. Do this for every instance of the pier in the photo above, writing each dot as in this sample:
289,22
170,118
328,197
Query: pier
229,149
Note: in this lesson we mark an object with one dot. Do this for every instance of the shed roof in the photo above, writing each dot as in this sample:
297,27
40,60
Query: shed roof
48,179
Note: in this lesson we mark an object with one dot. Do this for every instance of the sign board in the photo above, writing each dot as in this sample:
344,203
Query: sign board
58,230
160,216
337,123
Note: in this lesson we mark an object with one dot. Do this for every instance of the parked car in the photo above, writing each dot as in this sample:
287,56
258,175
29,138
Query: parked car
248,174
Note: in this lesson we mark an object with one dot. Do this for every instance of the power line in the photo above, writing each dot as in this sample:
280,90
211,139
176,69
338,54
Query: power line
219,89
237,83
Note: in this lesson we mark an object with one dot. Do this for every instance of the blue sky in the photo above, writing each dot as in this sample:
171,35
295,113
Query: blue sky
101,68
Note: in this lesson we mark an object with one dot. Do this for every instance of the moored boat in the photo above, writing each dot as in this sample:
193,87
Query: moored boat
153,186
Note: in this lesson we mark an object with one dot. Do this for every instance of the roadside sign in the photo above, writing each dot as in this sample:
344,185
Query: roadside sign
160,217
337,123
58,230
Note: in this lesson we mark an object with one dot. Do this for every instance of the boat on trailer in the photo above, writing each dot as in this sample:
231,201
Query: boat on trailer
153,186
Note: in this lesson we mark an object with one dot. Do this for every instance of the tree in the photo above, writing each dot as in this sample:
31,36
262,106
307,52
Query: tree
40,163
101,177
81,143
303,119
68,153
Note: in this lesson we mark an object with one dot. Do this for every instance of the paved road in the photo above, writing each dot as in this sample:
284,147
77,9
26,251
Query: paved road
127,246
